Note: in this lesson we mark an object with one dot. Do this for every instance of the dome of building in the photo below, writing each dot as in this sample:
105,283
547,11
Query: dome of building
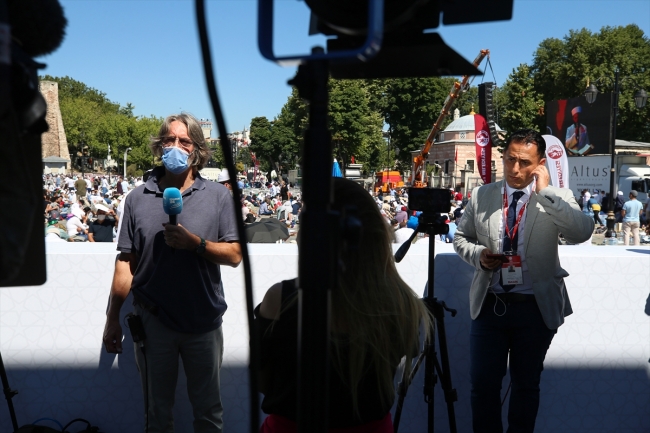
465,123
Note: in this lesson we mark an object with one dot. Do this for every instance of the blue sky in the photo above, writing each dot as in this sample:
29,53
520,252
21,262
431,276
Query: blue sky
146,51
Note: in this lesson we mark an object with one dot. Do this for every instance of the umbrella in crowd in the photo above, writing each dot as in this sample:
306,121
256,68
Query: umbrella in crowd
336,170
267,231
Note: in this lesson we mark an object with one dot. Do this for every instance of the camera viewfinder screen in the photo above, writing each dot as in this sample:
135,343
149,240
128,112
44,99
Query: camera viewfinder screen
430,200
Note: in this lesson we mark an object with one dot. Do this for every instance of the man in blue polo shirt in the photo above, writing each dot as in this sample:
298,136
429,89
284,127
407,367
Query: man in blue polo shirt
630,213
173,271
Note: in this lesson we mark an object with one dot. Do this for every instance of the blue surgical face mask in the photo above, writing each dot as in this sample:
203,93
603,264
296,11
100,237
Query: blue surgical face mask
175,159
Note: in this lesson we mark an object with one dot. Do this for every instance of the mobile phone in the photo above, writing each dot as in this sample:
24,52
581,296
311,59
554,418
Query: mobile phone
502,257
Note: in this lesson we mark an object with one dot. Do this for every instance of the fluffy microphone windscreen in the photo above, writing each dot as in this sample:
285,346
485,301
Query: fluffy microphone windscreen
37,25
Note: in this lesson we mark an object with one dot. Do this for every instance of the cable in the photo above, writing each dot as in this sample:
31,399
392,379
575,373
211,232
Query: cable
88,425
490,65
49,419
230,165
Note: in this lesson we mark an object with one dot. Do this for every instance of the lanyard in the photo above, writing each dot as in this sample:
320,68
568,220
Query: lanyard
511,233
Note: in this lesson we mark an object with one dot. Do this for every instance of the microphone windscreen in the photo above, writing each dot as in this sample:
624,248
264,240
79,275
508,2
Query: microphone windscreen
172,201
38,25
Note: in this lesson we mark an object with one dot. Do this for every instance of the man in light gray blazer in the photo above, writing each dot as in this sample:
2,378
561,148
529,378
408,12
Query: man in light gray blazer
509,233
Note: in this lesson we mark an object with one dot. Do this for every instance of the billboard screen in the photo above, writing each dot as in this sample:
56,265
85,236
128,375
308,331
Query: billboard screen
589,173
582,127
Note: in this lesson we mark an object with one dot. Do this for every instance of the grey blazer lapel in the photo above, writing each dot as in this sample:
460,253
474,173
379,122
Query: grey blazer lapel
531,216
495,204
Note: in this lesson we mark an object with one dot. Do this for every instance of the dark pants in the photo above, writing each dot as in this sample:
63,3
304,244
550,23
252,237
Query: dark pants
597,217
520,333
202,355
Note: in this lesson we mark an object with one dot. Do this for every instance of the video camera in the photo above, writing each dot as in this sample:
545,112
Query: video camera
430,200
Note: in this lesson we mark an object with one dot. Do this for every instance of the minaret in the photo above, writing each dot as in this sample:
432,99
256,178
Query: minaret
54,140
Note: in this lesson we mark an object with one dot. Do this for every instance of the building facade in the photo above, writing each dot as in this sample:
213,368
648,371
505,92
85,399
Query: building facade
454,156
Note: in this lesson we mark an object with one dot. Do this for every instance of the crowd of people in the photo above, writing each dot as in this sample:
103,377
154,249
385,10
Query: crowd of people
78,207
633,215
393,206
84,207
173,271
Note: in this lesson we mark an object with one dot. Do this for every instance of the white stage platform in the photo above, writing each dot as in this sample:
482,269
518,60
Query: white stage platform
596,378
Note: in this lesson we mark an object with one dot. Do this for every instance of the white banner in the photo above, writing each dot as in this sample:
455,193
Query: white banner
556,162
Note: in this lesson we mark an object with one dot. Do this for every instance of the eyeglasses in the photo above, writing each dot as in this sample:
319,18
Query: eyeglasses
170,141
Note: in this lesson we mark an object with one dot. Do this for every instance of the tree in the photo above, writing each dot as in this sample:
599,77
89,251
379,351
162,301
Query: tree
261,142
89,117
278,141
561,69
73,89
524,105
355,127
413,105
127,110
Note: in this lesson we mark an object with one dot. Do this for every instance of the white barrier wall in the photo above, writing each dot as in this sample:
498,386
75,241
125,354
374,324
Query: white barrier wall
596,378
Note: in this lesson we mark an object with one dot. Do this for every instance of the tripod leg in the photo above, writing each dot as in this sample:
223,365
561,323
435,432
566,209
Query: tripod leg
445,375
430,379
403,388
9,394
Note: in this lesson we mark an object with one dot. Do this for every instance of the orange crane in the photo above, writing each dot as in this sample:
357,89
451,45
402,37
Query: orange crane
418,174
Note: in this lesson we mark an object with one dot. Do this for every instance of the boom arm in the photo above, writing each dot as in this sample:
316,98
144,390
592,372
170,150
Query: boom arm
418,175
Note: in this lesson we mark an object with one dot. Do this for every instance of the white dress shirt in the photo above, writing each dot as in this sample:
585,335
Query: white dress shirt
527,286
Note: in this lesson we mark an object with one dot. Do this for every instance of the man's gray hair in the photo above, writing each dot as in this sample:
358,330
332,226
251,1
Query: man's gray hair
201,153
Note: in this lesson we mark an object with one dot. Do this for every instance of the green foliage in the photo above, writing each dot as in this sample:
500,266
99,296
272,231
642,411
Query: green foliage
520,105
278,142
413,105
261,141
217,159
90,117
561,69
355,127
132,170
360,109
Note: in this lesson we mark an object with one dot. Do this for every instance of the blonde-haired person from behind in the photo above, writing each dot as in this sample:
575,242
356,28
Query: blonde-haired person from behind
375,324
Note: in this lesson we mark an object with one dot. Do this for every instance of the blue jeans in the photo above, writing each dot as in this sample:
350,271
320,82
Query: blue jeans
520,333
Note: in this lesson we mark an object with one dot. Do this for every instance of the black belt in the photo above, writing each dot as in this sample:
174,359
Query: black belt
513,298
138,302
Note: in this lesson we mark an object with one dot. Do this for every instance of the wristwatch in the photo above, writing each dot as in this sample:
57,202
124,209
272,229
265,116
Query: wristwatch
201,248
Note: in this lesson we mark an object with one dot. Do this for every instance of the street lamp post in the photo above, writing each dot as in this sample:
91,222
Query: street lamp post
386,135
640,99
128,149
84,156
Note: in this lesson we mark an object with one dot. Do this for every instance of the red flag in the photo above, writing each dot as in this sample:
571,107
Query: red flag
456,158
483,148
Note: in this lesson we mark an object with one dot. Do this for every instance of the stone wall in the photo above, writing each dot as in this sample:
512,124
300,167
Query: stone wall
54,140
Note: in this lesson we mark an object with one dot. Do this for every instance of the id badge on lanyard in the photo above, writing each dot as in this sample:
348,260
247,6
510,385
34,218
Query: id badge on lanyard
511,270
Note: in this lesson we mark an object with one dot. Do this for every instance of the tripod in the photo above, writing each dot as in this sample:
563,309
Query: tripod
432,367
9,394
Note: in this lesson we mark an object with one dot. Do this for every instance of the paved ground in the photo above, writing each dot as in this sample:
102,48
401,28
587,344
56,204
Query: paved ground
599,239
